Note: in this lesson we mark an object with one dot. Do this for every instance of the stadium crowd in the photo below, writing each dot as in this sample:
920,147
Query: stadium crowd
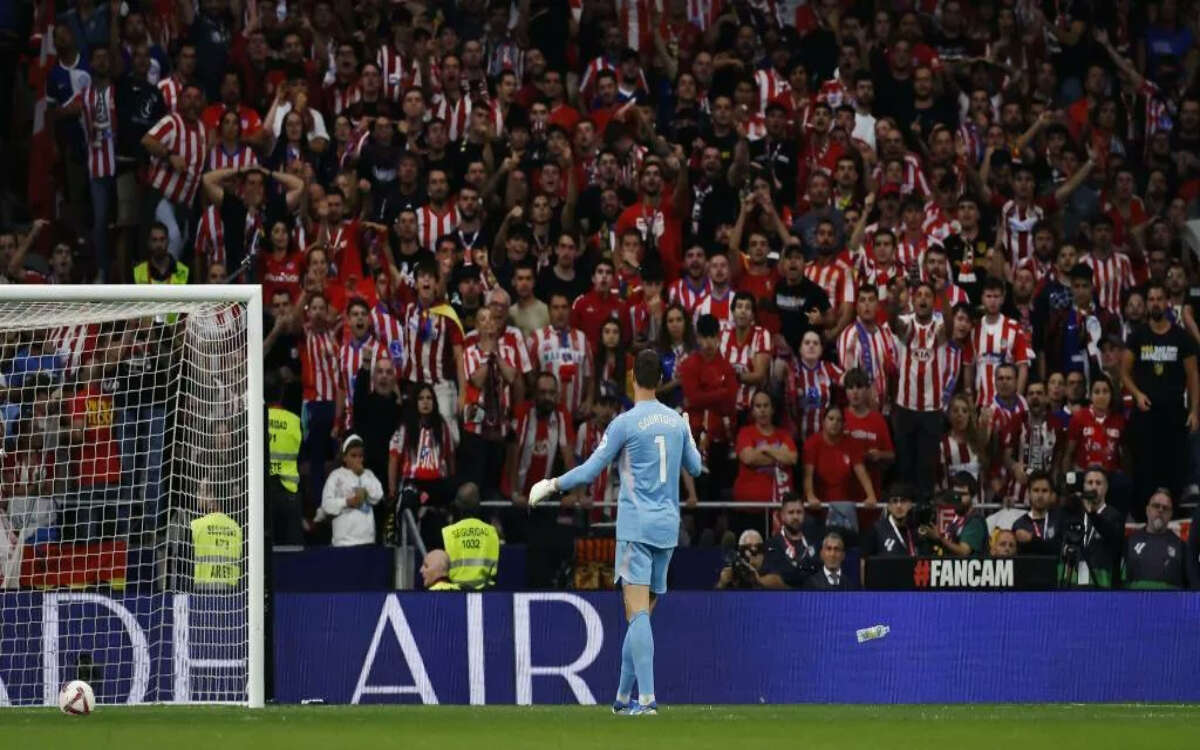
889,252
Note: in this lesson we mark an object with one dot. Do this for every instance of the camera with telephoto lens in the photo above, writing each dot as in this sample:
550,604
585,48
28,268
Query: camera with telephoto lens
925,514
744,573
1073,530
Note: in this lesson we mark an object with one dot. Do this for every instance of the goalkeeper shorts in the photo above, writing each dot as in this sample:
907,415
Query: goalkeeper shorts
642,564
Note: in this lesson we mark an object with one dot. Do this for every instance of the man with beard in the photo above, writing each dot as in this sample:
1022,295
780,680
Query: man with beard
1031,446
714,201
656,216
1038,530
694,285
1154,554
834,276
918,424
1053,294
1160,365
791,554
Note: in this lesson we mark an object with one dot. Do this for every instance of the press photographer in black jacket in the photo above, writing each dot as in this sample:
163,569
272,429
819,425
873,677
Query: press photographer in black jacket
1092,532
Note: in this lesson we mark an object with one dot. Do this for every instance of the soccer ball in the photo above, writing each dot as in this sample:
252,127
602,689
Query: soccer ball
76,698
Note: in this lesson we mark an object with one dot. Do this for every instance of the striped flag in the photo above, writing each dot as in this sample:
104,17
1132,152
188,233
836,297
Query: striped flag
41,157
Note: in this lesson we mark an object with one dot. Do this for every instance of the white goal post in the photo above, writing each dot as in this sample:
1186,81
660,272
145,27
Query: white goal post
185,443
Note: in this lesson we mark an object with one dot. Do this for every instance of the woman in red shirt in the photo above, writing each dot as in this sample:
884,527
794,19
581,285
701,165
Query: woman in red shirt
421,461
831,458
766,455
1096,433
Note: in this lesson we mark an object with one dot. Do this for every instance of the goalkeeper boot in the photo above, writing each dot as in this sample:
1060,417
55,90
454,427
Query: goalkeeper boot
644,709
619,707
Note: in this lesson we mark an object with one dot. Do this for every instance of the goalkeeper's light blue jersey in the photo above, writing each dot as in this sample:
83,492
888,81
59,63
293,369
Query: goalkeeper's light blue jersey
652,442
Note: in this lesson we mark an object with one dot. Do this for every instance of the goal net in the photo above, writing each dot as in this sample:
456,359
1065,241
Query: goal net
130,494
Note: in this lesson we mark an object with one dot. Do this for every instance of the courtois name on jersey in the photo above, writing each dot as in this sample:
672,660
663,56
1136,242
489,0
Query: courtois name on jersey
651,442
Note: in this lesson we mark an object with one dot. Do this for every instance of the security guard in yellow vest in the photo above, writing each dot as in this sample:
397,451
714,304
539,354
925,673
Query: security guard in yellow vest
161,268
216,550
473,546
283,481
435,572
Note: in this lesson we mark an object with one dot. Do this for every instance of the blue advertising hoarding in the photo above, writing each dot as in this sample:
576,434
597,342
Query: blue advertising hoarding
561,647
741,647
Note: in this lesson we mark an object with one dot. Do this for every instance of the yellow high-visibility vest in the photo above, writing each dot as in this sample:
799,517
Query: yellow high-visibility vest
284,429
474,550
141,274
445,586
217,542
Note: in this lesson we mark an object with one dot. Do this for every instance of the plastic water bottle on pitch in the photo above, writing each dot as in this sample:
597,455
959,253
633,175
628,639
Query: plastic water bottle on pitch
870,634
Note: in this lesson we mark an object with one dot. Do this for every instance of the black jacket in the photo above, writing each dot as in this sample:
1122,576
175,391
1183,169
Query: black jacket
818,582
374,419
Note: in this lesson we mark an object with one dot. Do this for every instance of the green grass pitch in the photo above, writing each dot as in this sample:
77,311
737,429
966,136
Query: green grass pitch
978,727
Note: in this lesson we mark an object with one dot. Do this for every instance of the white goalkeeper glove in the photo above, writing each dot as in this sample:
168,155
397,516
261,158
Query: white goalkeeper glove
542,489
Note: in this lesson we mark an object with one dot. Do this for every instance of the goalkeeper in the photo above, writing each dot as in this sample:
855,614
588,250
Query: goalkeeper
652,441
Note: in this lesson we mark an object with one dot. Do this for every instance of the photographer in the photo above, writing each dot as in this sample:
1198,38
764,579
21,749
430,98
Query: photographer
1154,554
744,565
1092,532
1038,530
790,557
968,534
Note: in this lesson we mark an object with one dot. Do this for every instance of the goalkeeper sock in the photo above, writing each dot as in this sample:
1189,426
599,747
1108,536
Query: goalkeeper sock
641,639
625,685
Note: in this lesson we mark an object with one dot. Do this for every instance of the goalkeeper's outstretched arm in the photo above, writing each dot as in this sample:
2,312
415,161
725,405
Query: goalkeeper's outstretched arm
605,453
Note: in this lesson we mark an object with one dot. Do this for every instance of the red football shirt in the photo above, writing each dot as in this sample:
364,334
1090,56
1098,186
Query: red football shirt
762,483
870,431
100,454
1097,440
833,466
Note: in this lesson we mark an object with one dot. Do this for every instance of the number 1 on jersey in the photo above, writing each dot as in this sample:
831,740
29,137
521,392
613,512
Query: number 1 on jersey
661,442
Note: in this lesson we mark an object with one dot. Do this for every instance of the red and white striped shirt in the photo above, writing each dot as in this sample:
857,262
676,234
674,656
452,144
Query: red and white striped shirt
955,455
512,336
682,292
633,17
1016,229
874,352
319,366
170,88
741,355
210,235
809,394
184,139
431,225
399,74
720,308
350,361
73,344
390,333
429,340
454,115
836,278
921,381
593,69
1110,277
99,118
704,12
341,98
909,250
568,356
770,85
999,343
914,177
475,408
539,443
428,459
242,157
834,93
